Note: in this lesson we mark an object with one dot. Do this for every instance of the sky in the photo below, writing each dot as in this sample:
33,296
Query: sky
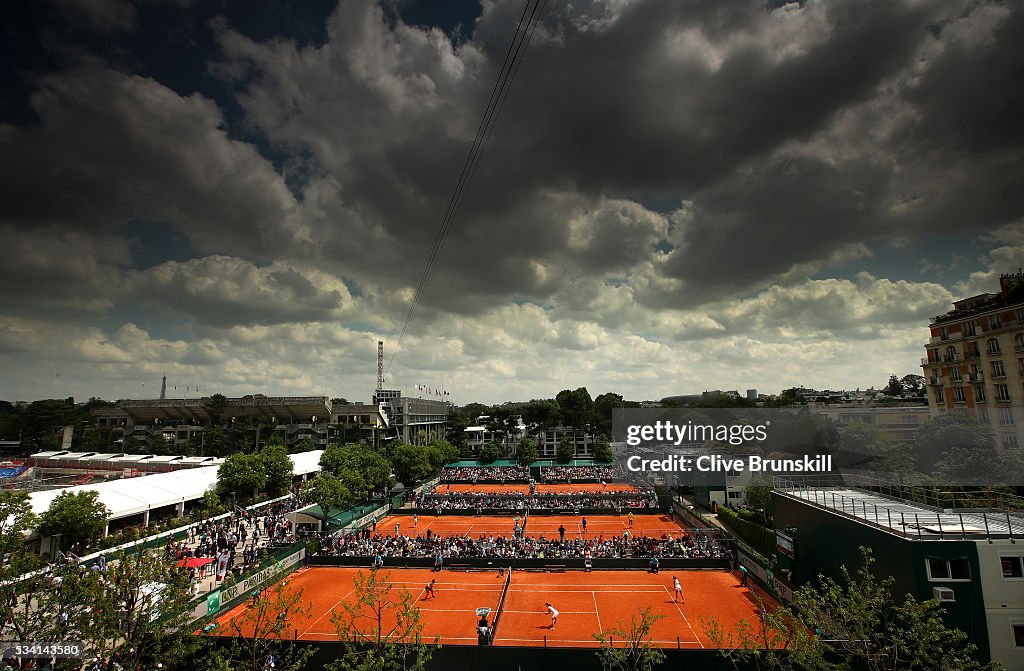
676,196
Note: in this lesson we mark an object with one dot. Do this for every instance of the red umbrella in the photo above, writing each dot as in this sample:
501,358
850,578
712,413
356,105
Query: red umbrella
194,562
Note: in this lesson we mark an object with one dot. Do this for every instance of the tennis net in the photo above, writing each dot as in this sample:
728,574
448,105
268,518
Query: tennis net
501,602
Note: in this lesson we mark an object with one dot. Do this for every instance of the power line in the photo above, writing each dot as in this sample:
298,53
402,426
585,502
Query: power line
514,56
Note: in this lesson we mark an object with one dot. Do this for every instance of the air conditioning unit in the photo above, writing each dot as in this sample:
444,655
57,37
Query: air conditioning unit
944,594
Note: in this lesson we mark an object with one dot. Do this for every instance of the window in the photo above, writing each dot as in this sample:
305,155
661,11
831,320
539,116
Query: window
949,569
1002,392
971,329
983,415
1013,566
993,346
944,334
735,495
1018,635
1005,416
954,373
994,322
1018,342
998,370
1010,441
939,398
958,396
979,394
1020,315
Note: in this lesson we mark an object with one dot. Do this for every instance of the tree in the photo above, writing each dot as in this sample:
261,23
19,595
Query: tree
941,434
359,467
75,517
18,621
541,414
410,463
278,467
913,385
305,444
214,406
242,474
758,494
895,387
855,620
261,634
327,491
635,652
603,451
526,452
861,621
566,449
604,405
867,445
380,628
490,453
142,609
439,453
576,407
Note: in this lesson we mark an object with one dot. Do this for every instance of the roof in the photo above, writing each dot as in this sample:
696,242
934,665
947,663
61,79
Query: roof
306,462
909,519
131,496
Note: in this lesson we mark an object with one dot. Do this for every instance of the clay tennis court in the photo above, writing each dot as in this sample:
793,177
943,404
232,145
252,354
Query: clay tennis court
447,525
556,488
588,603
451,616
536,526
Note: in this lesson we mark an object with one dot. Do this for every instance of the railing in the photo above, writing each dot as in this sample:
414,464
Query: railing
932,522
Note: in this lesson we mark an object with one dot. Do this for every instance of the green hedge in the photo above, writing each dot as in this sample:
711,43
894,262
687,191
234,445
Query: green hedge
760,538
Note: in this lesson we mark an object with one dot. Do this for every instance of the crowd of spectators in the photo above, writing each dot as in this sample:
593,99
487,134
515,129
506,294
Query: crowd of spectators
475,474
577,474
616,501
696,545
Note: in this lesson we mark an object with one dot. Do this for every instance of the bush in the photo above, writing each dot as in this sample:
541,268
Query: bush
761,538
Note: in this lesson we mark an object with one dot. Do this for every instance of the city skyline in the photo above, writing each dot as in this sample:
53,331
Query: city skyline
678,197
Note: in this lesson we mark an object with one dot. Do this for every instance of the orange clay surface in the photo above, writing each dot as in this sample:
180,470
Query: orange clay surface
559,488
536,525
588,603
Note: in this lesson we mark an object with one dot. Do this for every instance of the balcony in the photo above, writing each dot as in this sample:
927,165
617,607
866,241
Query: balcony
935,380
950,358
976,377
1000,375
956,380
972,355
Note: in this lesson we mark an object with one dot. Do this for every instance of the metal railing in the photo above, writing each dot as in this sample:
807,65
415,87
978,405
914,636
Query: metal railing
939,515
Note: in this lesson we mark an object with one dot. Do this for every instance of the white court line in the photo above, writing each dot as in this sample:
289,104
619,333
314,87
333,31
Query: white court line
692,630
328,611
597,612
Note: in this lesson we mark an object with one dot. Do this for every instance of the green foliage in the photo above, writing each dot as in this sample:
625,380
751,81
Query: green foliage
628,647
865,439
541,414
380,628
603,451
439,453
410,463
360,468
490,453
761,538
576,407
526,452
327,491
861,622
278,467
261,631
76,517
305,444
939,435
758,493
566,450
604,405
242,474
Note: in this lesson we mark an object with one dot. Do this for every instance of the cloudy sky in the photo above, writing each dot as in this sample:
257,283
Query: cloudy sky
677,196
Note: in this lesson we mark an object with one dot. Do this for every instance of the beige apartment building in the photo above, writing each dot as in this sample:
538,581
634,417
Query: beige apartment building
975,360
